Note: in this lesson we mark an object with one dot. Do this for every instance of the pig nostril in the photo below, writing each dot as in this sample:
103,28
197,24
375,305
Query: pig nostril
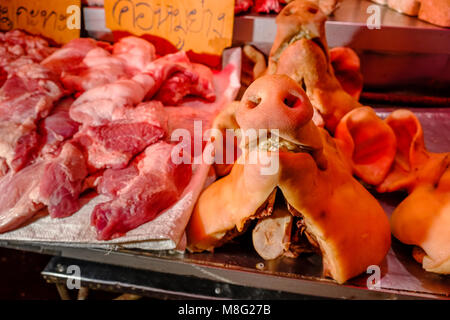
292,101
312,10
253,101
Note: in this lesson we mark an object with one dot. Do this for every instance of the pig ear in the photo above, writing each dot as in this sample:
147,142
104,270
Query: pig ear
369,144
411,156
346,66
410,141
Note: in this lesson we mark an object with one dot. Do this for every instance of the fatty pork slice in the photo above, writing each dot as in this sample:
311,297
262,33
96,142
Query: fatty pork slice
28,92
97,68
84,64
127,132
57,127
61,182
26,97
21,43
70,55
135,53
198,83
98,105
54,182
139,193
10,53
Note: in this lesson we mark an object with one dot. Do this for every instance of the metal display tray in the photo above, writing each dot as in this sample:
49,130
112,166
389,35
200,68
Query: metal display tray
237,264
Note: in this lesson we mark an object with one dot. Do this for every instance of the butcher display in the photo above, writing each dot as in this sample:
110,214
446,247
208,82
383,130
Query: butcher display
121,133
78,118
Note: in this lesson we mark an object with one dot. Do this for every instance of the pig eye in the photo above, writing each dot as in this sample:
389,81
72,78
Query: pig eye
312,10
253,101
292,101
303,85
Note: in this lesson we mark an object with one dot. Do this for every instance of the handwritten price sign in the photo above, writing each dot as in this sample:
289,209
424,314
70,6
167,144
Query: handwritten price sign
59,20
204,26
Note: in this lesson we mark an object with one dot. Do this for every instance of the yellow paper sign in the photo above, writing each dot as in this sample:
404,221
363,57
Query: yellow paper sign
59,20
203,26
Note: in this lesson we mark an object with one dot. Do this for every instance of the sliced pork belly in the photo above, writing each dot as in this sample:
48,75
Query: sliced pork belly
139,193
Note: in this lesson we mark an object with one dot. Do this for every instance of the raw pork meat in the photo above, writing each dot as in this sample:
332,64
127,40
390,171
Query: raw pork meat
180,85
242,5
53,182
57,127
26,97
61,182
162,68
84,64
127,132
267,6
197,116
19,196
70,55
139,193
16,43
97,106
4,168
98,67
135,53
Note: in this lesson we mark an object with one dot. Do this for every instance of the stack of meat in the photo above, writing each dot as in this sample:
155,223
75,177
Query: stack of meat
91,115
260,6
275,6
